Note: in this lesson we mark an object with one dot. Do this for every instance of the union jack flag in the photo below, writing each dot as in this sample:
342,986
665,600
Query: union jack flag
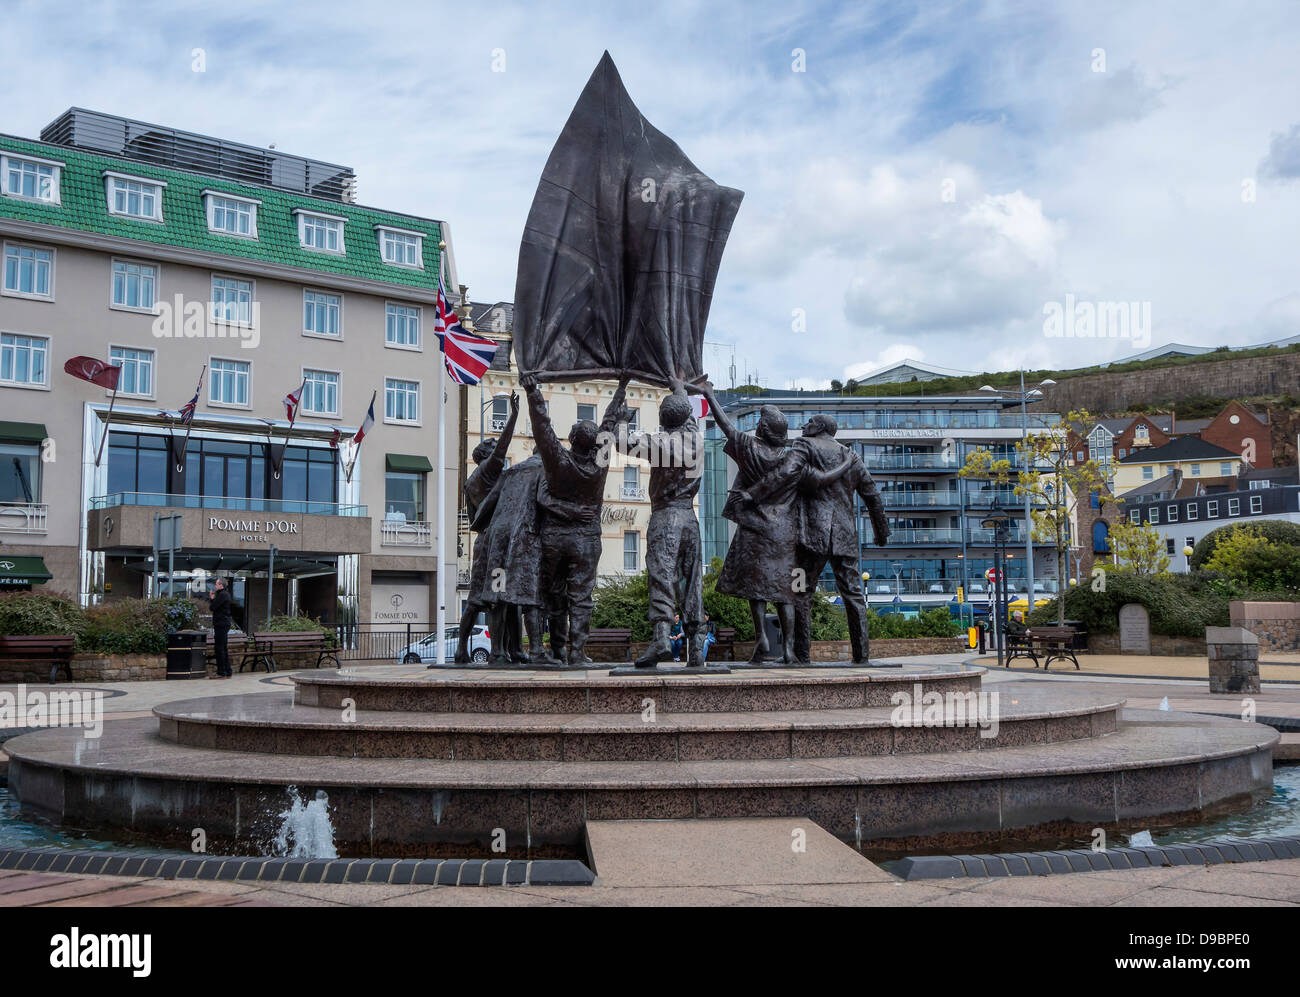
187,410
467,356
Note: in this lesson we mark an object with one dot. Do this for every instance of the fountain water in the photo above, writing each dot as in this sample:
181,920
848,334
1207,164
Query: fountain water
305,828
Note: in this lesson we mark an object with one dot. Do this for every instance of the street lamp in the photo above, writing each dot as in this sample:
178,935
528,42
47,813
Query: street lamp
897,567
866,589
1025,397
996,520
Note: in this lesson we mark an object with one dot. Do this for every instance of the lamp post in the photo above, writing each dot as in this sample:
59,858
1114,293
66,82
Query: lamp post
996,520
1024,398
866,589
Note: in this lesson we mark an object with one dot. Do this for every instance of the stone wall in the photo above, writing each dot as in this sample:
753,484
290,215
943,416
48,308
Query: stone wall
94,668
1234,660
1276,624
1183,647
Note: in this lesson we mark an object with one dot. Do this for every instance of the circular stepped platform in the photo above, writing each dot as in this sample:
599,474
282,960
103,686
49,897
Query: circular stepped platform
266,723
536,756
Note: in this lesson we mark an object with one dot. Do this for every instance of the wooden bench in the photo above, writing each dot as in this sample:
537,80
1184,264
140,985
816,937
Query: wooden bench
236,645
724,639
264,645
611,637
53,650
1053,643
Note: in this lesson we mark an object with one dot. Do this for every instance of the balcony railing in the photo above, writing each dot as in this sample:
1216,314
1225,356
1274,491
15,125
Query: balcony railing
405,533
912,462
977,589
632,492
24,517
228,503
937,497
940,537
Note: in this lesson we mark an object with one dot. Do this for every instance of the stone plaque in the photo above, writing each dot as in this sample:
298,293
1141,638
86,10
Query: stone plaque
1134,629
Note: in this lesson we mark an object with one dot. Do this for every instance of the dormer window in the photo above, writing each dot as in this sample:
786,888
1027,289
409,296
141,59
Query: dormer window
29,178
401,247
228,215
320,233
134,197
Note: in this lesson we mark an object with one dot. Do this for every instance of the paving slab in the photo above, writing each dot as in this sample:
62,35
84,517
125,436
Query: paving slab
692,853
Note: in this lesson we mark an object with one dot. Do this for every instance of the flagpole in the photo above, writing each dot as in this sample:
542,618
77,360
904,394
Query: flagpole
189,426
107,418
356,451
439,640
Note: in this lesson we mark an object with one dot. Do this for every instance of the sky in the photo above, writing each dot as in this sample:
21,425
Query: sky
961,184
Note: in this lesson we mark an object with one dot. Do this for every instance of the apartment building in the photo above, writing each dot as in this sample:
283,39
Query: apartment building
167,253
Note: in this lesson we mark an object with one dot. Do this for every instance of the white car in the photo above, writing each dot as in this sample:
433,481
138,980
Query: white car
426,651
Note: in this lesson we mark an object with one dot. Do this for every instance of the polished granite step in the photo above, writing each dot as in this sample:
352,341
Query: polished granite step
1156,764
417,689
270,723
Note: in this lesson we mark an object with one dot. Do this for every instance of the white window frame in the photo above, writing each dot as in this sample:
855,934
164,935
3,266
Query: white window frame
1225,468
419,401
220,319
112,281
1234,507
1135,516
1212,509
210,210
303,215
419,315
338,392
29,385
1153,516
635,551
405,233
212,370
1256,504
112,175
1193,511
56,178
334,338
28,295
1148,472
153,370
1173,514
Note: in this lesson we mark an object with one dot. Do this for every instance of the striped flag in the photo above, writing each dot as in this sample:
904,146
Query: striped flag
467,356
292,400
699,406
366,423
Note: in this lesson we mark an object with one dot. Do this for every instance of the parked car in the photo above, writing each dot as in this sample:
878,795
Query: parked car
425,651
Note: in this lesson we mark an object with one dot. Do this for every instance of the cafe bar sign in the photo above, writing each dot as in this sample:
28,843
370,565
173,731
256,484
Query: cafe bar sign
253,530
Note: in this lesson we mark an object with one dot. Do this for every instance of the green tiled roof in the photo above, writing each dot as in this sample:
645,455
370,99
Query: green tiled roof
185,225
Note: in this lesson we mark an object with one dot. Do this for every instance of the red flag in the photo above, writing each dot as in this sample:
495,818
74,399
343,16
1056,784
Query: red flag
291,401
699,406
94,371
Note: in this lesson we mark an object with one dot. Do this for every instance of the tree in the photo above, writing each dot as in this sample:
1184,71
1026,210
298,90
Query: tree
1247,559
1048,476
836,385
1139,548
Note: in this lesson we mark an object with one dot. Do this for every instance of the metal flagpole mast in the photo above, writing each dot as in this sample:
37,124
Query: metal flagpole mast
107,420
440,623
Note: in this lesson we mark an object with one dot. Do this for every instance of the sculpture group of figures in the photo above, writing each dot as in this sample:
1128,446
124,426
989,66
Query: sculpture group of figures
538,525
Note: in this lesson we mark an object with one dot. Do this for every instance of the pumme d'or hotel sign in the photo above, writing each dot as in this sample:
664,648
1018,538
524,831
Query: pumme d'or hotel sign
252,530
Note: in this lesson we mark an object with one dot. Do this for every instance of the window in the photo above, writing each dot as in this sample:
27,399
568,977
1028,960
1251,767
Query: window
320,395
1196,470
228,382
323,233
322,314
587,412
402,326
1100,537
137,370
1123,452
1234,507
1094,499
1173,514
1225,469
631,551
404,496
634,422
1169,545
1212,509
631,481
1193,510
1148,473
134,197
401,400
1189,542
1257,503
1153,516
232,300
1141,432
135,286
22,359
1256,485
500,413
400,247
231,215
20,472
29,271
33,179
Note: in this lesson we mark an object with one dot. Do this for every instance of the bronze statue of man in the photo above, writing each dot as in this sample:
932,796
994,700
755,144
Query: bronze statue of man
490,458
672,558
569,498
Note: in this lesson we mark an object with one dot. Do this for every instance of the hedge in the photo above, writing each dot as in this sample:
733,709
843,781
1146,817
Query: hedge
125,626
1277,530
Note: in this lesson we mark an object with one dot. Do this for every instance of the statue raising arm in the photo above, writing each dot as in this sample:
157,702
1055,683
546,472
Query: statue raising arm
507,434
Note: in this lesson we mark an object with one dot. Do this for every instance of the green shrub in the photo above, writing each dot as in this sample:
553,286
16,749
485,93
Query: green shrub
39,614
623,601
1179,605
297,624
1275,530
826,621
936,622
136,626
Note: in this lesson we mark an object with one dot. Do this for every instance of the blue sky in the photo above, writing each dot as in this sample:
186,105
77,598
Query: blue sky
933,178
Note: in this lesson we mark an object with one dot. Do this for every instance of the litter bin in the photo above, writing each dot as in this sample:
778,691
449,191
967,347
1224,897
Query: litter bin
187,653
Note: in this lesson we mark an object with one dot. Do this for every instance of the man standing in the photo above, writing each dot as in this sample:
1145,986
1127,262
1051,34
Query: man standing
672,556
221,627
490,458
569,499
